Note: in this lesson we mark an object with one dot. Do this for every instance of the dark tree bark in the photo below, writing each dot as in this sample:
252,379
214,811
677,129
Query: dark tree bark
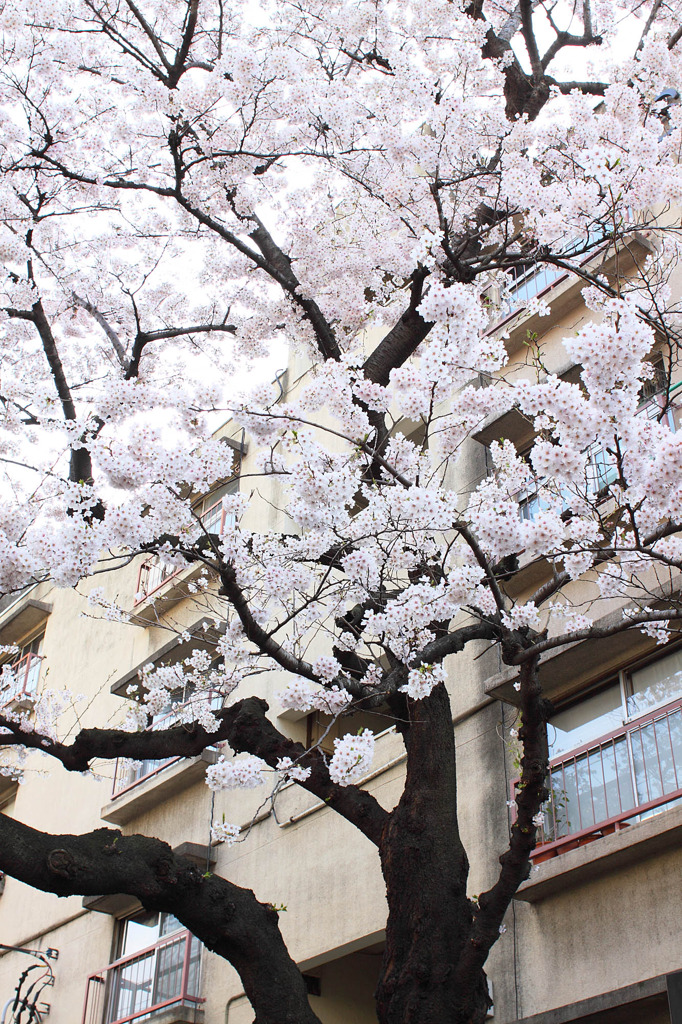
247,729
426,868
228,919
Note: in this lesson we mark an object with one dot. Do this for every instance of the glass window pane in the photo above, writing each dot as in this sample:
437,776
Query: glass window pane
655,684
170,923
595,716
140,931
210,509
170,961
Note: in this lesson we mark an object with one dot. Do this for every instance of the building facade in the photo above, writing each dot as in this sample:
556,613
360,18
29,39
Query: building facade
592,936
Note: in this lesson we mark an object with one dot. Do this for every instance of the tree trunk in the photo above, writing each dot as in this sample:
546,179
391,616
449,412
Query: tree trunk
425,868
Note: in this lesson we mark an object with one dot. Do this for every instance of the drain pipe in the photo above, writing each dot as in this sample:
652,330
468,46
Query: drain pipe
228,1004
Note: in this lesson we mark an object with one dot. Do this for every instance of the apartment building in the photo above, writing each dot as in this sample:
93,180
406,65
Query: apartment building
593,935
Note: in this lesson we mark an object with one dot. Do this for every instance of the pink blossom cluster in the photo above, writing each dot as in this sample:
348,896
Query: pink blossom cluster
352,758
245,773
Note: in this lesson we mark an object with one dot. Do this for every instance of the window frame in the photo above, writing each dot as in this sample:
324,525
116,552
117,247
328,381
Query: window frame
30,647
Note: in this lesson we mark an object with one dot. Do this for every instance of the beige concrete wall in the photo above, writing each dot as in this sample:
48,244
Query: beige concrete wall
620,928
84,944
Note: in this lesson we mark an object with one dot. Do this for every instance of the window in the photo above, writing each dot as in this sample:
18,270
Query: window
616,753
210,509
323,729
601,468
527,281
153,573
658,382
130,773
157,966
20,676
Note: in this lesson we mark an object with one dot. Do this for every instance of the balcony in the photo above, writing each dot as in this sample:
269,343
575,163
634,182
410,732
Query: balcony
535,280
160,984
620,778
19,682
601,469
139,786
160,585
152,575
128,774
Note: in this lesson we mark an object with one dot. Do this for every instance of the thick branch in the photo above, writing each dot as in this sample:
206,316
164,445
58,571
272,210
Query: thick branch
80,466
144,338
228,919
599,632
401,341
105,325
243,725
280,262
178,68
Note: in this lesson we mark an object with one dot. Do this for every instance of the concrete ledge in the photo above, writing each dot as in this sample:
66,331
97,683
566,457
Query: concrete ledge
633,1004
199,853
609,853
23,616
8,787
116,904
191,1013
174,589
151,792
120,904
173,650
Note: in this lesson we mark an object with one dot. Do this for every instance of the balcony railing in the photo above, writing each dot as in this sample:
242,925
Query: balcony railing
136,986
131,773
153,574
624,776
19,682
526,286
600,466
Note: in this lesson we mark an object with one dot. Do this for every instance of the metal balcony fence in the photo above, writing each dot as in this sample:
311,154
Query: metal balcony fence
151,980
600,465
19,682
130,773
153,574
620,778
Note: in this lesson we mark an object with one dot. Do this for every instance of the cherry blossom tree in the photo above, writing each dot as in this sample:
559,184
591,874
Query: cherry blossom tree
187,184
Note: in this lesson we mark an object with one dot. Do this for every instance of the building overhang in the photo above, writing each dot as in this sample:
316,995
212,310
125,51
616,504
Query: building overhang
631,1004
120,904
172,651
572,667
22,618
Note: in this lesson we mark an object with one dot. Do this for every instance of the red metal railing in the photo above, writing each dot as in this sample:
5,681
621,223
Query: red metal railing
128,774
604,785
165,974
152,575
19,681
